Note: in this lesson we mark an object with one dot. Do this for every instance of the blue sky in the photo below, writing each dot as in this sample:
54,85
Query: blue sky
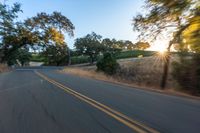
109,18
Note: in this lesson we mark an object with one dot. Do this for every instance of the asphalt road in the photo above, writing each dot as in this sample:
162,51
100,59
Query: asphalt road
45,101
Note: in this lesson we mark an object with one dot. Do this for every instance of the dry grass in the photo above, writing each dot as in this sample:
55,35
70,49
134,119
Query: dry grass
3,68
143,73
84,72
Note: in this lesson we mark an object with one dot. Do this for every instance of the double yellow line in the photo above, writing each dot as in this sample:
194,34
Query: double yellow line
134,125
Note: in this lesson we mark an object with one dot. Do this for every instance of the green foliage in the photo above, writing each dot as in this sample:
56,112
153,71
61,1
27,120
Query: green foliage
21,55
133,53
13,34
180,21
50,28
56,20
75,59
117,46
110,45
151,26
130,45
37,58
89,45
187,73
56,55
142,45
40,31
192,34
79,59
74,53
107,64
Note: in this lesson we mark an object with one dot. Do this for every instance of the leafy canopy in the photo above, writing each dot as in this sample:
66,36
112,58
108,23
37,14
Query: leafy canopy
89,45
56,55
39,31
166,17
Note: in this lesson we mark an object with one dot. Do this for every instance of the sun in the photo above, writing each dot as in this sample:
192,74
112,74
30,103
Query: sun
160,47
162,51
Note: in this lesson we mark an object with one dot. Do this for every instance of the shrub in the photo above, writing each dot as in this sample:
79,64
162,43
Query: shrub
107,64
187,73
21,56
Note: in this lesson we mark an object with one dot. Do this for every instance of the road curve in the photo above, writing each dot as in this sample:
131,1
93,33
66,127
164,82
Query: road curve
50,102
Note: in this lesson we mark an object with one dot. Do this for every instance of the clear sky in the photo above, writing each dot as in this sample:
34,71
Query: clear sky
109,18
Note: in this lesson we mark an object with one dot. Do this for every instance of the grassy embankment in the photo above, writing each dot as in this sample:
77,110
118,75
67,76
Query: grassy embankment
143,73
85,59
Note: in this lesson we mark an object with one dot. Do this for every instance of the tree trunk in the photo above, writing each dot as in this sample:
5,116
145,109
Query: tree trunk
165,71
57,63
91,59
176,39
166,66
69,57
1,55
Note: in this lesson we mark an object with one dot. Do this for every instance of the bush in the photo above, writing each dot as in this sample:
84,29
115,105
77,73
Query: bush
107,64
21,56
187,73
79,59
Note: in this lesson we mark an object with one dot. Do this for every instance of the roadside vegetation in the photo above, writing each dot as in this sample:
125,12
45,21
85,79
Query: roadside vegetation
3,68
144,73
39,32
80,59
108,64
35,57
181,24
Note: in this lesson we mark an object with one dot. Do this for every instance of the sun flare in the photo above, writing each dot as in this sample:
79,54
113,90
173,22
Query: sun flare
161,51
160,46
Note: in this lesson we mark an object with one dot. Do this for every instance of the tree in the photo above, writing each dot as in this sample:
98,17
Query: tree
89,45
42,30
142,45
24,56
108,64
130,45
21,56
121,44
175,20
110,45
52,27
56,55
7,29
186,71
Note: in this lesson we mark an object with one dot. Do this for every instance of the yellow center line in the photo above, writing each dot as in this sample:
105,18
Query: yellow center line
134,125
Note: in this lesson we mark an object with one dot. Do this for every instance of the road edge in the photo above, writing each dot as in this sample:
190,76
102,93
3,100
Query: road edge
132,86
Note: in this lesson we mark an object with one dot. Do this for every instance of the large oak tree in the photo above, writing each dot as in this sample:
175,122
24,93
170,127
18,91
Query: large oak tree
41,31
90,45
